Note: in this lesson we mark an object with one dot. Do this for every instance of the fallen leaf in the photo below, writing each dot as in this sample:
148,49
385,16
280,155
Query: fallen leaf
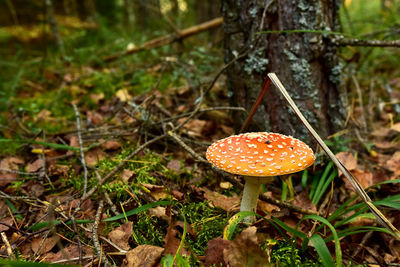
174,165
221,201
348,160
33,188
126,175
172,241
123,95
225,185
215,252
396,127
9,163
157,191
92,157
121,235
111,145
245,250
393,164
34,166
143,256
160,212
97,97
94,117
47,245
4,222
303,200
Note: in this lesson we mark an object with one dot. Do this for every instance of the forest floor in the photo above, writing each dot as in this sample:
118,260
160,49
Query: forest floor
107,163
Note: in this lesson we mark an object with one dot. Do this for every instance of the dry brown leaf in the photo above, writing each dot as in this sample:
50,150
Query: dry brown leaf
9,163
121,235
393,163
6,221
48,244
215,252
159,212
126,175
174,165
303,200
97,97
348,160
123,95
111,145
396,127
93,156
195,127
143,256
172,241
74,141
157,191
221,201
245,250
386,145
34,166
94,117
44,114
34,188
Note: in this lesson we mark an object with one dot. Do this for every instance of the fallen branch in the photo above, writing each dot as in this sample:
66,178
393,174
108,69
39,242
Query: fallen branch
170,38
359,42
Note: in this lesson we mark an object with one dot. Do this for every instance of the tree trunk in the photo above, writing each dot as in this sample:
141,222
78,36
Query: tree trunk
306,63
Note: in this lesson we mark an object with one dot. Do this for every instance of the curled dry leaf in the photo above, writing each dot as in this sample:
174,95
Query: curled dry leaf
365,178
111,145
393,164
92,157
348,160
174,165
35,166
9,163
172,240
221,201
157,191
121,235
47,245
303,200
143,256
126,175
245,250
4,222
215,252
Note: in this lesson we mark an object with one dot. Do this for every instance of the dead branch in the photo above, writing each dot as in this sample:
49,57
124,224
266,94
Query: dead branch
95,236
170,38
83,162
373,43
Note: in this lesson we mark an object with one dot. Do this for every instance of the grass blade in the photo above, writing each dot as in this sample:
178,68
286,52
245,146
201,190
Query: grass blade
322,250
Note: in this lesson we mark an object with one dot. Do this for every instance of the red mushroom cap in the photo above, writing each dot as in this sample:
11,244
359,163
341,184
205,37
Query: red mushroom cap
260,154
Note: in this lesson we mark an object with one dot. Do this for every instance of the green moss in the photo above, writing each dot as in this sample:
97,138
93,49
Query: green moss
208,223
286,254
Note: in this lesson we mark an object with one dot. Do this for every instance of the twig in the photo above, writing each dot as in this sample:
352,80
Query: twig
78,127
78,240
44,163
164,40
373,43
95,236
287,205
10,252
359,93
107,197
19,172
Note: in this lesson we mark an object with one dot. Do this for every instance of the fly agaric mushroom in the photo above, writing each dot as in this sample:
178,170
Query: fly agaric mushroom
259,157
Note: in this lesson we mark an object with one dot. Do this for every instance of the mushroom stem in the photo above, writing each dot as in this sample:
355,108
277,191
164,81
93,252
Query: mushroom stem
250,194
249,198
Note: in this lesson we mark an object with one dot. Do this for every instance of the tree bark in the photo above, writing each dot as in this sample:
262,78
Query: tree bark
306,63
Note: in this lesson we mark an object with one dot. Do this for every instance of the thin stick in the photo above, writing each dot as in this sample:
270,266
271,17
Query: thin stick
78,240
255,106
10,252
83,162
356,185
359,93
95,236
371,43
